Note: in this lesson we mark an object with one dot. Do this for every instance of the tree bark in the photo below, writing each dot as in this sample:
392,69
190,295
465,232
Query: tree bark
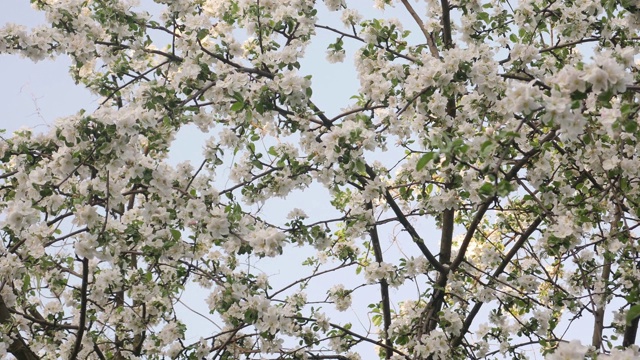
18,347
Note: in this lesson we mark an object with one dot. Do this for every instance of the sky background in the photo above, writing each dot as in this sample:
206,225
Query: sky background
35,94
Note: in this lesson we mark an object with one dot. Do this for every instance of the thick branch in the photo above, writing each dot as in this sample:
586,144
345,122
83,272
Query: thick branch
446,24
83,309
384,287
18,347
598,316
630,332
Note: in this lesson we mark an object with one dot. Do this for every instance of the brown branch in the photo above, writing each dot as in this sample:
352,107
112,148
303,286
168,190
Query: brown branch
79,231
343,265
598,315
83,309
19,347
361,337
446,24
355,37
198,93
630,332
38,319
407,225
325,120
135,78
503,265
85,284
58,218
6,175
412,232
150,51
384,286
560,46
429,36
195,175
254,178
485,206
354,111
238,67
446,244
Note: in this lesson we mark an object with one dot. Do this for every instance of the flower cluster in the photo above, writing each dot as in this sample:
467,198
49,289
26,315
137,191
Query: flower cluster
479,191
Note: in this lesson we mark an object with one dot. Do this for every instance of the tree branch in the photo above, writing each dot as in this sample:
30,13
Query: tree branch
18,347
598,315
446,24
429,36
363,338
83,309
384,286
503,265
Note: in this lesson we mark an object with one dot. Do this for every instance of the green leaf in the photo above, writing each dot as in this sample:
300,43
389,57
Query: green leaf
429,189
633,313
630,126
237,106
424,160
175,234
257,164
376,319
486,189
631,6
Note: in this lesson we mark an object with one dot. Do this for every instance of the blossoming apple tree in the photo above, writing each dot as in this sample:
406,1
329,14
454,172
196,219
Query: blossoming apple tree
496,145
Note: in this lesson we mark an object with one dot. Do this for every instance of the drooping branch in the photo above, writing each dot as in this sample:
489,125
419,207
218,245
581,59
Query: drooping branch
355,37
315,274
356,335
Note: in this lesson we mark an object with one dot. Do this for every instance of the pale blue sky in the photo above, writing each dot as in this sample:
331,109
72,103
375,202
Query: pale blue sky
35,94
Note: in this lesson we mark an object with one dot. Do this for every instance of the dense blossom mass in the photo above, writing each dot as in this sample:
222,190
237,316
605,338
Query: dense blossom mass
483,183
